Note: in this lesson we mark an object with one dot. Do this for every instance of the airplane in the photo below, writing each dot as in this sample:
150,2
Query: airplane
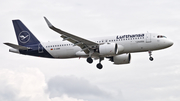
117,48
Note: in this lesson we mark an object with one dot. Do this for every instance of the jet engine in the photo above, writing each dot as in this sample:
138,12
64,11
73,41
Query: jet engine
121,59
108,49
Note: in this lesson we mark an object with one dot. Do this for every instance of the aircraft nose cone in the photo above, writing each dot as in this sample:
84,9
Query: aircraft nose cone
170,43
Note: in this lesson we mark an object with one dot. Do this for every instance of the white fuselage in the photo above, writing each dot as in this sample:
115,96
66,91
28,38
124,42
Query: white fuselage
130,43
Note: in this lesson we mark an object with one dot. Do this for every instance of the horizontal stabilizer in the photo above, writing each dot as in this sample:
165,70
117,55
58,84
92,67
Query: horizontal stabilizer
17,46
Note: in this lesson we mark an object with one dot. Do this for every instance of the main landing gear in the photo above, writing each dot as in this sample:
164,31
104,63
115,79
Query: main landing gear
99,65
150,54
89,60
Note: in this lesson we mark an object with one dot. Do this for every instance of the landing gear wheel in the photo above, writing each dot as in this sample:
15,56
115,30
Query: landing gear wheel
99,66
89,60
150,54
151,59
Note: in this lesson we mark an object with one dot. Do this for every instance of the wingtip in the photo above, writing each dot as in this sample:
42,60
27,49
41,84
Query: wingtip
6,43
48,23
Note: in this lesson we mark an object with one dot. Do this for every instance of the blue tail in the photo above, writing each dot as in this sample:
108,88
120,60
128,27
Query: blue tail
23,34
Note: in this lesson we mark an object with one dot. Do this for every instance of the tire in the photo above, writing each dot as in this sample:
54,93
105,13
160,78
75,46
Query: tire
151,59
89,60
99,66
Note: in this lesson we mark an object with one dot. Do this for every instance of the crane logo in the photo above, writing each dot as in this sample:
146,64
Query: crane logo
24,37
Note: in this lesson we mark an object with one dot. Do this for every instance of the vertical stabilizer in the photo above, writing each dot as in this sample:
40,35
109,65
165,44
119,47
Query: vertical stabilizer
23,34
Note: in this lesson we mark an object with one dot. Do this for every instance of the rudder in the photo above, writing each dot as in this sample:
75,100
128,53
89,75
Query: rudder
23,34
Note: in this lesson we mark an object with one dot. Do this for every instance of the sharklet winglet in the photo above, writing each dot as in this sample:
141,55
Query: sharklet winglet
48,23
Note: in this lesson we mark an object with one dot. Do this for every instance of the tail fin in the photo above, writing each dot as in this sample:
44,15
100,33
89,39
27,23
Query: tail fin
23,34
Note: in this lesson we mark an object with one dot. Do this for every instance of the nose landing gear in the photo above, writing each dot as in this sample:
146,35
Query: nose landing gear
150,54
151,58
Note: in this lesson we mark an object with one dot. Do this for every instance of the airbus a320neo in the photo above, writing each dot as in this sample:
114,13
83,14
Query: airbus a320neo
117,48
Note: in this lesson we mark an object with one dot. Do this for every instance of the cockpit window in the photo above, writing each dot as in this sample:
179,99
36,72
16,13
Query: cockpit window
161,36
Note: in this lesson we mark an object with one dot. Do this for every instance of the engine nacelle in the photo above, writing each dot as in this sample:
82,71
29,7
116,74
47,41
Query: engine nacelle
121,59
108,49
120,49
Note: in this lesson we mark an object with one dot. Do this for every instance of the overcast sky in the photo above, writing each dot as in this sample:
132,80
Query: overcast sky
26,78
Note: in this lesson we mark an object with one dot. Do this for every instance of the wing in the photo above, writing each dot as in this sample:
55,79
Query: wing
84,44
